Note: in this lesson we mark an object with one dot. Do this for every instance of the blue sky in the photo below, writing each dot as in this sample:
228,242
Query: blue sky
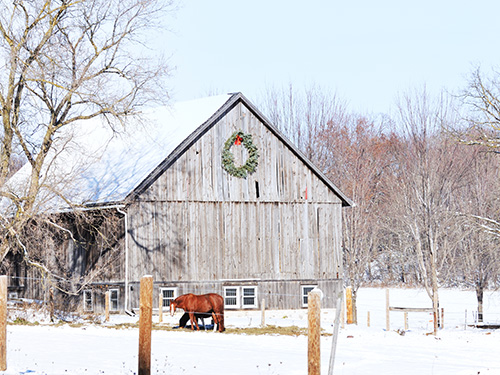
366,51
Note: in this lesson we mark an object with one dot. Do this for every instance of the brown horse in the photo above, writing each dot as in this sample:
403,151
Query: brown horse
201,304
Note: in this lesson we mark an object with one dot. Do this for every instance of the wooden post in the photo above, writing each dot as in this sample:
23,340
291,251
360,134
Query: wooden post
368,319
3,323
314,332
406,320
160,308
387,320
145,323
435,315
442,317
349,307
338,310
106,306
342,313
263,314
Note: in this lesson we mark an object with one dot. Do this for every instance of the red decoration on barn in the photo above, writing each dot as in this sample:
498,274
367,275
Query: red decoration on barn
238,140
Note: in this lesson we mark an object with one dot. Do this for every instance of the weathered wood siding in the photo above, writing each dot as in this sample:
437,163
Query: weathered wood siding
197,228
278,294
197,222
198,175
230,240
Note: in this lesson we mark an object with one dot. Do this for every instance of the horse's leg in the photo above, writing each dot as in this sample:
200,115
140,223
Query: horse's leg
220,326
183,320
216,320
194,321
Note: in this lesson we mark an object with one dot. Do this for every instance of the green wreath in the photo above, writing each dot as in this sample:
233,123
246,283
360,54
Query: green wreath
228,158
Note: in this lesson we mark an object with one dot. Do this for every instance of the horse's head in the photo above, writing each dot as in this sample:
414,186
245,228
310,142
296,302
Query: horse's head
173,306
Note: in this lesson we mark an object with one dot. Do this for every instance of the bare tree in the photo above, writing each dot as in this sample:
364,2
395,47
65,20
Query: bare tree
302,115
430,168
481,102
68,251
475,260
481,108
356,159
352,151
65,62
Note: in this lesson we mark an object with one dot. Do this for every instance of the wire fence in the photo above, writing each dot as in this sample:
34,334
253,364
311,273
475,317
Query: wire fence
370,310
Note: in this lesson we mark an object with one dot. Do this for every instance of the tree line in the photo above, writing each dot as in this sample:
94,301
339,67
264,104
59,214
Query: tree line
425,183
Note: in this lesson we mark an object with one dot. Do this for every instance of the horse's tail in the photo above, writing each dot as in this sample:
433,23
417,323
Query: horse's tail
222,328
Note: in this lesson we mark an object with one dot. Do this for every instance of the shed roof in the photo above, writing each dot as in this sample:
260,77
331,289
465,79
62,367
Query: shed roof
108,166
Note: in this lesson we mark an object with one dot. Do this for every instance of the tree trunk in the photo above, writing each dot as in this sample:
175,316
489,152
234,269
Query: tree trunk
434,283
479,295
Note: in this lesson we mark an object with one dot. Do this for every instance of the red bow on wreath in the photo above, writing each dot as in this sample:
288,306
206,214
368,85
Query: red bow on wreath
238,140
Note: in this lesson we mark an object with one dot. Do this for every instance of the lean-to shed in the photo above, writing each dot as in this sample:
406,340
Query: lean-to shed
211,198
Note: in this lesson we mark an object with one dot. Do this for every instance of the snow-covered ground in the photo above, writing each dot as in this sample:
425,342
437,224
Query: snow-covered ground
457,349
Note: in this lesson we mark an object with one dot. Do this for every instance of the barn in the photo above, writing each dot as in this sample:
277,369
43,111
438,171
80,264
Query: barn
210,197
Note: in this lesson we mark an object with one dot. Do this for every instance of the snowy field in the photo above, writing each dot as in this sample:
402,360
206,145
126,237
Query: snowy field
457,349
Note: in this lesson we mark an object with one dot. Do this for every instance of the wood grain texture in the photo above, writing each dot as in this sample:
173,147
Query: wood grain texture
196,222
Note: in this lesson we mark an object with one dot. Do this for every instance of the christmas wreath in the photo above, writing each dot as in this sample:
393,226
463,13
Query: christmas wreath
240,138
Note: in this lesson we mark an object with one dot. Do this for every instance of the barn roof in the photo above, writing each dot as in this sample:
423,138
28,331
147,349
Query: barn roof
109,166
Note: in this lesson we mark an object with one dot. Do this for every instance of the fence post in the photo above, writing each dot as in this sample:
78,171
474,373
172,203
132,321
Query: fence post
442,317
263,314
368,319
106,305
145,323
349,307
342,313
387,320
314,332
3,323
406,320
160,308
338,310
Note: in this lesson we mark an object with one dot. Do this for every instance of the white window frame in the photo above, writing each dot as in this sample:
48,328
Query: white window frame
111,299
244,303
13,295
86,293
239,297
304,291
166,299
235,297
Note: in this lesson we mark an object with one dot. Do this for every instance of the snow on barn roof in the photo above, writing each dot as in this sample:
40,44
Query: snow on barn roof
93,164
131,157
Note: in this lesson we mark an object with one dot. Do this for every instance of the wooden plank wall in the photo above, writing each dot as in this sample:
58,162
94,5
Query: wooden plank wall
198,174
197,222
227,240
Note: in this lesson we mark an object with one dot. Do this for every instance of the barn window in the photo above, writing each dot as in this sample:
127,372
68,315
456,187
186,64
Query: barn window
167,295
88,300
305,291
13,295
249,297
240,297
231,297
113,299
